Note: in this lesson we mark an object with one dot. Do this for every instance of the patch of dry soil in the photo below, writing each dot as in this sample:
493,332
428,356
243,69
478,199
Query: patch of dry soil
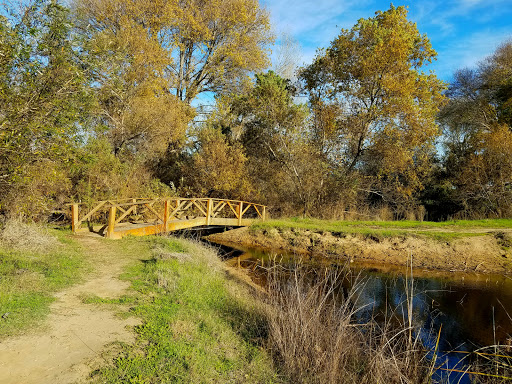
483,254
75,333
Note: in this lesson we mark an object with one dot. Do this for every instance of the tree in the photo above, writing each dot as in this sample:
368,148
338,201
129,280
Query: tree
43,104
373,75
273,130
141,117
201,45
218,168
287,56
496,74
477,136
484,185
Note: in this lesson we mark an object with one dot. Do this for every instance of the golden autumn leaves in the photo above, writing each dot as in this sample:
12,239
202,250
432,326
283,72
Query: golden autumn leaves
130,73
372,75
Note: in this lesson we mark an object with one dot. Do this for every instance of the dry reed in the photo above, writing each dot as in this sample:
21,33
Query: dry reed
316,335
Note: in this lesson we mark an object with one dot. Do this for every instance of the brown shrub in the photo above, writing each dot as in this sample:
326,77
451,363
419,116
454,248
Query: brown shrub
315,336
27,237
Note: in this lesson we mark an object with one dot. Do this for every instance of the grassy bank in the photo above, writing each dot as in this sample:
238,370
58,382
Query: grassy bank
443,231
483,246
198,324
34,264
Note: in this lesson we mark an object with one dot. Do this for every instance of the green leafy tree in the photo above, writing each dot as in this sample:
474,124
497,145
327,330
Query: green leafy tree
273,130
43,104
372,76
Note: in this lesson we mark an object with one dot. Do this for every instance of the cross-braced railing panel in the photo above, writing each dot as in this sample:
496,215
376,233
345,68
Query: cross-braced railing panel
127,210
162,212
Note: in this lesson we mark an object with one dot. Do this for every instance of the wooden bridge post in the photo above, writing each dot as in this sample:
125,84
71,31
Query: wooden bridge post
166,214
111,222
209,209
239,212
74,218
264,213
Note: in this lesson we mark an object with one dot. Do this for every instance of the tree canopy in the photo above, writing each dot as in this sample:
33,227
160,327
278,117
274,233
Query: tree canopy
43,99
385,105
197,46
98,100
478,135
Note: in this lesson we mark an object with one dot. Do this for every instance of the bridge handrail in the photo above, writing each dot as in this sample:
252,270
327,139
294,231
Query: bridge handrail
113,203
209,207
183,199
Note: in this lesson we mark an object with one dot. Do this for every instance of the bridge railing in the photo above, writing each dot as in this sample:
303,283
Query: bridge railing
163,212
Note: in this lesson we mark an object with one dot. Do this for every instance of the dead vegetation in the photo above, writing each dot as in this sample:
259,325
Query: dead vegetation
317,336
20,235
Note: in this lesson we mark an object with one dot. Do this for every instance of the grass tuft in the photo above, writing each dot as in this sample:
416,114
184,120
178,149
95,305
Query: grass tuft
317,336
27,237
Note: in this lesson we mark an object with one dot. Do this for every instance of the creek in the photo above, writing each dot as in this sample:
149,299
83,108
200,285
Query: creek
473,311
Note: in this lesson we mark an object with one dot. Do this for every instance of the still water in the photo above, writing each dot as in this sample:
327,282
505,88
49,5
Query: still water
473,311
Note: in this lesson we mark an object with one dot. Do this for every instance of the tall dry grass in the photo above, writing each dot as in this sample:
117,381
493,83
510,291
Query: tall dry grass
20,235
316,335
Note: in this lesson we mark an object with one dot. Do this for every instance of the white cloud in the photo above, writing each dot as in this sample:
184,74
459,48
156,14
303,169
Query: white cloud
468,51
314,20
315,23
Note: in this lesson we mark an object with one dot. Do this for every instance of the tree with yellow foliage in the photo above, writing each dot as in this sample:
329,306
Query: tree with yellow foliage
195,45
218,168
373,75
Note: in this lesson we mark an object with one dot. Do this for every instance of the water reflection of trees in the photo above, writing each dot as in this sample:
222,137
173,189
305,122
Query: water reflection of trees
466,312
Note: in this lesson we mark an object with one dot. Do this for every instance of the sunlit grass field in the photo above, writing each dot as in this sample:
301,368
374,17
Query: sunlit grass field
438,230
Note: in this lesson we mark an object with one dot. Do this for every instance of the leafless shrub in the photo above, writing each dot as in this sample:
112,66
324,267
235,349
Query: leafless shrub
315,335
28,237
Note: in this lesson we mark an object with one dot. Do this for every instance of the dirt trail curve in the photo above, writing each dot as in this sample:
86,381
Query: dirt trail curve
75,332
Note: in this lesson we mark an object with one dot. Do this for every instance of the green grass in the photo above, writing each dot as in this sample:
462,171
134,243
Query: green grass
197,325
28,280
452,229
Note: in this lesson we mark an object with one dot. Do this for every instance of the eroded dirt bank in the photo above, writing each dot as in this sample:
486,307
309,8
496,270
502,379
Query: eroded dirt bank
483,254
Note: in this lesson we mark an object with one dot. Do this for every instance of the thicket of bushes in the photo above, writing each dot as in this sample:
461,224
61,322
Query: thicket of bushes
93,106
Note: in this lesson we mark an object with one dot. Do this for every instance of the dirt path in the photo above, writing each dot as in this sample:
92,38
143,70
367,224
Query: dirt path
75,333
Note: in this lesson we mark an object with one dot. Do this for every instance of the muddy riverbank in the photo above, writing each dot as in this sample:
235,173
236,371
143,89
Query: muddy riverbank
482,254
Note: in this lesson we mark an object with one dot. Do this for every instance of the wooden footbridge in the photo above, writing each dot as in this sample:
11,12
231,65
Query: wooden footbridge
139,217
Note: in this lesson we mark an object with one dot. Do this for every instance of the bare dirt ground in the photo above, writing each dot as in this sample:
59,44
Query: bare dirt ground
74,333
482,254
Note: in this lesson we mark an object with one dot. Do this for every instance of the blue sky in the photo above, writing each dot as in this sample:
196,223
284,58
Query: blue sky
463,32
